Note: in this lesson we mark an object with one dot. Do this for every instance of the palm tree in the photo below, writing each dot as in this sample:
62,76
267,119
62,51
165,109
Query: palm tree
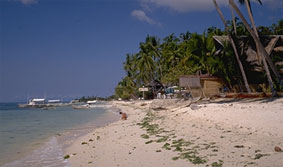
234,47
153,48
145,65
261,49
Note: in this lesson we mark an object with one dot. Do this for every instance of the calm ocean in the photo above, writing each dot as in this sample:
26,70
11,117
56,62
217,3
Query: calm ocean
30,137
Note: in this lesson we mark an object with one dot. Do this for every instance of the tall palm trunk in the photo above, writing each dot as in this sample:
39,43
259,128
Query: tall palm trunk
261,48
234,21
248,6
234,47
259,54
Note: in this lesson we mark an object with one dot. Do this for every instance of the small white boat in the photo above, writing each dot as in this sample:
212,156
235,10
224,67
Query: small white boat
35,103
89,104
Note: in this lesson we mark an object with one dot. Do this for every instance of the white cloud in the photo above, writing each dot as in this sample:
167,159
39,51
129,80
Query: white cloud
28,2
201,5
141,15
186,5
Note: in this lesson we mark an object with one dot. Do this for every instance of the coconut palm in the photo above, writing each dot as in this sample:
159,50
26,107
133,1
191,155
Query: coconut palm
234,47
145,65
260,47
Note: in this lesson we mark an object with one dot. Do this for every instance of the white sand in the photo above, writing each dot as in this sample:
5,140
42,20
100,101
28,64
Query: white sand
239,133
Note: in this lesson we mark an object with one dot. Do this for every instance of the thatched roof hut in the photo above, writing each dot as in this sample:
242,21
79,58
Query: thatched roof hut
155,86
272,43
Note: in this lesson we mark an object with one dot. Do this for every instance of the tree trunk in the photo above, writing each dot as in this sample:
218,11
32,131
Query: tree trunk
234,47
261,48
269,78
254,28
234,21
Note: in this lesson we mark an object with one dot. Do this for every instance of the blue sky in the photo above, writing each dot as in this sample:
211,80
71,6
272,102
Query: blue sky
71,48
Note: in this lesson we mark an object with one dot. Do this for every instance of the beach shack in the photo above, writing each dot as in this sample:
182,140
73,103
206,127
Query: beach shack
201,85
155,87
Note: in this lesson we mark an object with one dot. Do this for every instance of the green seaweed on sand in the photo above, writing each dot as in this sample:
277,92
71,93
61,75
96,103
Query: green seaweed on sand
66,156
166,146
151,129
148,142
145,136
192,157
258,156
162,139
239,146
84,143
181,142
217,164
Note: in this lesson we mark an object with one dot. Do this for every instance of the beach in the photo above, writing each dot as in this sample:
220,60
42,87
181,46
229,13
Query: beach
220,132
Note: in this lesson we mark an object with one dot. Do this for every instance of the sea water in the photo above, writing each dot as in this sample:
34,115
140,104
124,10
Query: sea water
29,136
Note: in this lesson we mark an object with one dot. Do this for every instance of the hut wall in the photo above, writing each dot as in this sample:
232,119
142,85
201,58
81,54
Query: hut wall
211,87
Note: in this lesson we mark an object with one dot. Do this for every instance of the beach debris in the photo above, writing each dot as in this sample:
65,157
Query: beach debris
143,104
195,107
277,149
159,108
124,116
239,146
90,140
84,143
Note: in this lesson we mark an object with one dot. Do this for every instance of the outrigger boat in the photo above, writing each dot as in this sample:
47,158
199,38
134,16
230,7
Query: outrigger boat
41,103
89,104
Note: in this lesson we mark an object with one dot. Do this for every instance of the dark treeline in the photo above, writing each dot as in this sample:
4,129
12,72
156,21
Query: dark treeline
187,53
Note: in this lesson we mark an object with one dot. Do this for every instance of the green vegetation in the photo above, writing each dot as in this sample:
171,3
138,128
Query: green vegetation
185,149
83,143
66,156
168,58
258,156
217,164
145,136
148,142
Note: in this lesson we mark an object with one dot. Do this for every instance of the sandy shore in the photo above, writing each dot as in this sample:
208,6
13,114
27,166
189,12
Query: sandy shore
223,132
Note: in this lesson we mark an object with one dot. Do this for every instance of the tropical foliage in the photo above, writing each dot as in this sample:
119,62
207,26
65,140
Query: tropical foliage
168,58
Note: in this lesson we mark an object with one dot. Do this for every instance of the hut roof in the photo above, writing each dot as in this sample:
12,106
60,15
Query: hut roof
154,83
271,43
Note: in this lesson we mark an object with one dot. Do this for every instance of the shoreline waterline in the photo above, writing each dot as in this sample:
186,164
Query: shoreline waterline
50,147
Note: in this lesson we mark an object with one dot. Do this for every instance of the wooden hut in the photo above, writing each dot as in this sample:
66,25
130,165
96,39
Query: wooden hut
155,87
202,85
